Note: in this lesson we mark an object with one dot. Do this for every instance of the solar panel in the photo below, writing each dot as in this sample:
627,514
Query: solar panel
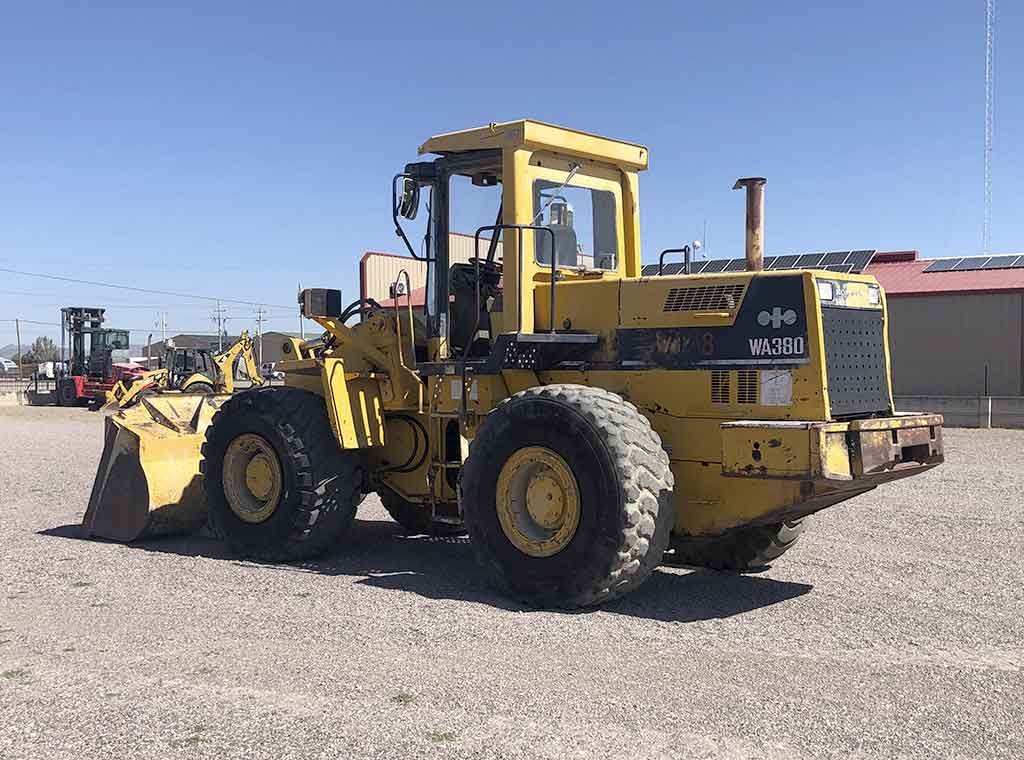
844,268
648,270
736,265
785,262
716,265
1003,262
860,260
969,263
833,258
769,261
674,268
942,265
809,260
697,267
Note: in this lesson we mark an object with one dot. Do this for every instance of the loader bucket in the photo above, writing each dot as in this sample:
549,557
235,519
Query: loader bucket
148,482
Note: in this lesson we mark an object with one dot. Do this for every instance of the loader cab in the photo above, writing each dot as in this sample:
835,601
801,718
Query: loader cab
183,363
564,211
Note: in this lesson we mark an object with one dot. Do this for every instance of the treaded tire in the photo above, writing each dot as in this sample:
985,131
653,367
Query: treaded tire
66,395
414,518
742,550
322,484
204,388
625,489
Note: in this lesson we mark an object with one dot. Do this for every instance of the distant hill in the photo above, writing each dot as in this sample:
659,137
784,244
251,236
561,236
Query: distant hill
11,350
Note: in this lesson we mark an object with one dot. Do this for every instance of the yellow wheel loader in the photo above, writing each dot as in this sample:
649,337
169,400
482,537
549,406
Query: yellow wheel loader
582,420
190,370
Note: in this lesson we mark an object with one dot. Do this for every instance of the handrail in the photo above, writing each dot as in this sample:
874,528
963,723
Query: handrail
495,228
685,250
412,325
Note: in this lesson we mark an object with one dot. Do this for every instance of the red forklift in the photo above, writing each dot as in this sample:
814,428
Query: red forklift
87,375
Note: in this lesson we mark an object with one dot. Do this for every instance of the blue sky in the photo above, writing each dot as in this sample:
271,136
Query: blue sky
236,149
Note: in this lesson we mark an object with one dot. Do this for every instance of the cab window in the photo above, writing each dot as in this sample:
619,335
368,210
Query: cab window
583,222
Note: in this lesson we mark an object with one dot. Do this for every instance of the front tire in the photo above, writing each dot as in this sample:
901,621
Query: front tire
277,486
567,496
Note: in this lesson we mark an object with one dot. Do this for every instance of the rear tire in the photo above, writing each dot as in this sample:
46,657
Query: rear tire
319,485
620,496
203,388
415,518
742,550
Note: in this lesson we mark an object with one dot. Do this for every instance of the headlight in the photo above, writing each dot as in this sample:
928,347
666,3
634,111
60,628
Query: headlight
826,290
874,295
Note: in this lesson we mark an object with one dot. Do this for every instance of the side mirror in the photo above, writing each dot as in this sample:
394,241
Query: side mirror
408,203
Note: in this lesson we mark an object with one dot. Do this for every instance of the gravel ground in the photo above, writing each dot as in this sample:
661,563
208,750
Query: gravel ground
893,629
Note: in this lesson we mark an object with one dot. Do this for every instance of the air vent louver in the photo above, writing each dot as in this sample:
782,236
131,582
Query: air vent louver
704,298
720,387
746,386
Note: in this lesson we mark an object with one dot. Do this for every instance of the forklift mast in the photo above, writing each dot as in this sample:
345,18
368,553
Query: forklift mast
76,323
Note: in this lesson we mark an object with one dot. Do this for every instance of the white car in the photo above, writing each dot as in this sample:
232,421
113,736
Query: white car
6,366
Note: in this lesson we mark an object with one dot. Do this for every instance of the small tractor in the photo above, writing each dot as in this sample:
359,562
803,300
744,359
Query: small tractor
91,373
582,422
190,370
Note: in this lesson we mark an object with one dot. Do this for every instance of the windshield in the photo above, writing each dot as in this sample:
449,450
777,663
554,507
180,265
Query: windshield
112,339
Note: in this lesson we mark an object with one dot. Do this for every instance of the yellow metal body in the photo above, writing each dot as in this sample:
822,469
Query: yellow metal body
754,443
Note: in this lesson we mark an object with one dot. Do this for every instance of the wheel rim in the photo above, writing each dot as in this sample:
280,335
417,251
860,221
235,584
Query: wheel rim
252,478
538,501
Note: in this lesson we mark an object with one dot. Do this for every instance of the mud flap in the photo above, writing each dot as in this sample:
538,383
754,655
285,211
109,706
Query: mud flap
148,481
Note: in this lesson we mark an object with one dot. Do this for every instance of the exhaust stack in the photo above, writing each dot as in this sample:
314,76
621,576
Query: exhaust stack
755,221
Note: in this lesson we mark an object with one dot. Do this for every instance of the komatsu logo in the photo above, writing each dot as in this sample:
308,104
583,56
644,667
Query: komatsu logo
777,317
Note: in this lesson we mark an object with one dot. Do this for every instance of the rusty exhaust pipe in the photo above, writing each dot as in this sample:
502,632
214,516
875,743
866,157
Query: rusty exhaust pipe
755,221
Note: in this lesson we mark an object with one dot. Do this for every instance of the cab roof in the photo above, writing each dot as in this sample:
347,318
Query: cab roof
536,135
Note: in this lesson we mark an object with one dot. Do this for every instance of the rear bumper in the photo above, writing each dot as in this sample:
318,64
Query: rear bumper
872,450
803,467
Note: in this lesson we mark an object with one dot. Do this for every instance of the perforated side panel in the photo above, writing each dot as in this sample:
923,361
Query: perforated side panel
704,298
855,360
746,386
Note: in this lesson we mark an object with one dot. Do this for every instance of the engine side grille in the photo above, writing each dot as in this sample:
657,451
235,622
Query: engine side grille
855,360
704,298
720,387
746,386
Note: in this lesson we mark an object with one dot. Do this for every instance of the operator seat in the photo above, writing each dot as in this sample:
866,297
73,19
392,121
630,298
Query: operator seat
566,245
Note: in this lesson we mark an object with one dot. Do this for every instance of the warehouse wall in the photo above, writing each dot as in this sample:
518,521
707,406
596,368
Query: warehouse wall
379,270
941,344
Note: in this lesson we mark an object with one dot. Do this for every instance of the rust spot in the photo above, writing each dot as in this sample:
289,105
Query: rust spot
774,443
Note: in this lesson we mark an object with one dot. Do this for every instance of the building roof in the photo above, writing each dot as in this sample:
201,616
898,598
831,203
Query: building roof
901,273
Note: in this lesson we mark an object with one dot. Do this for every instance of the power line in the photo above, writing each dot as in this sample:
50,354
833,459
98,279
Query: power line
171,293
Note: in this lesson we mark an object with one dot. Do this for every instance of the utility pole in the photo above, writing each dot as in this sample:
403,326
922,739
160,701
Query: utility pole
260,311
218,316
17,337
161,322
990,22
